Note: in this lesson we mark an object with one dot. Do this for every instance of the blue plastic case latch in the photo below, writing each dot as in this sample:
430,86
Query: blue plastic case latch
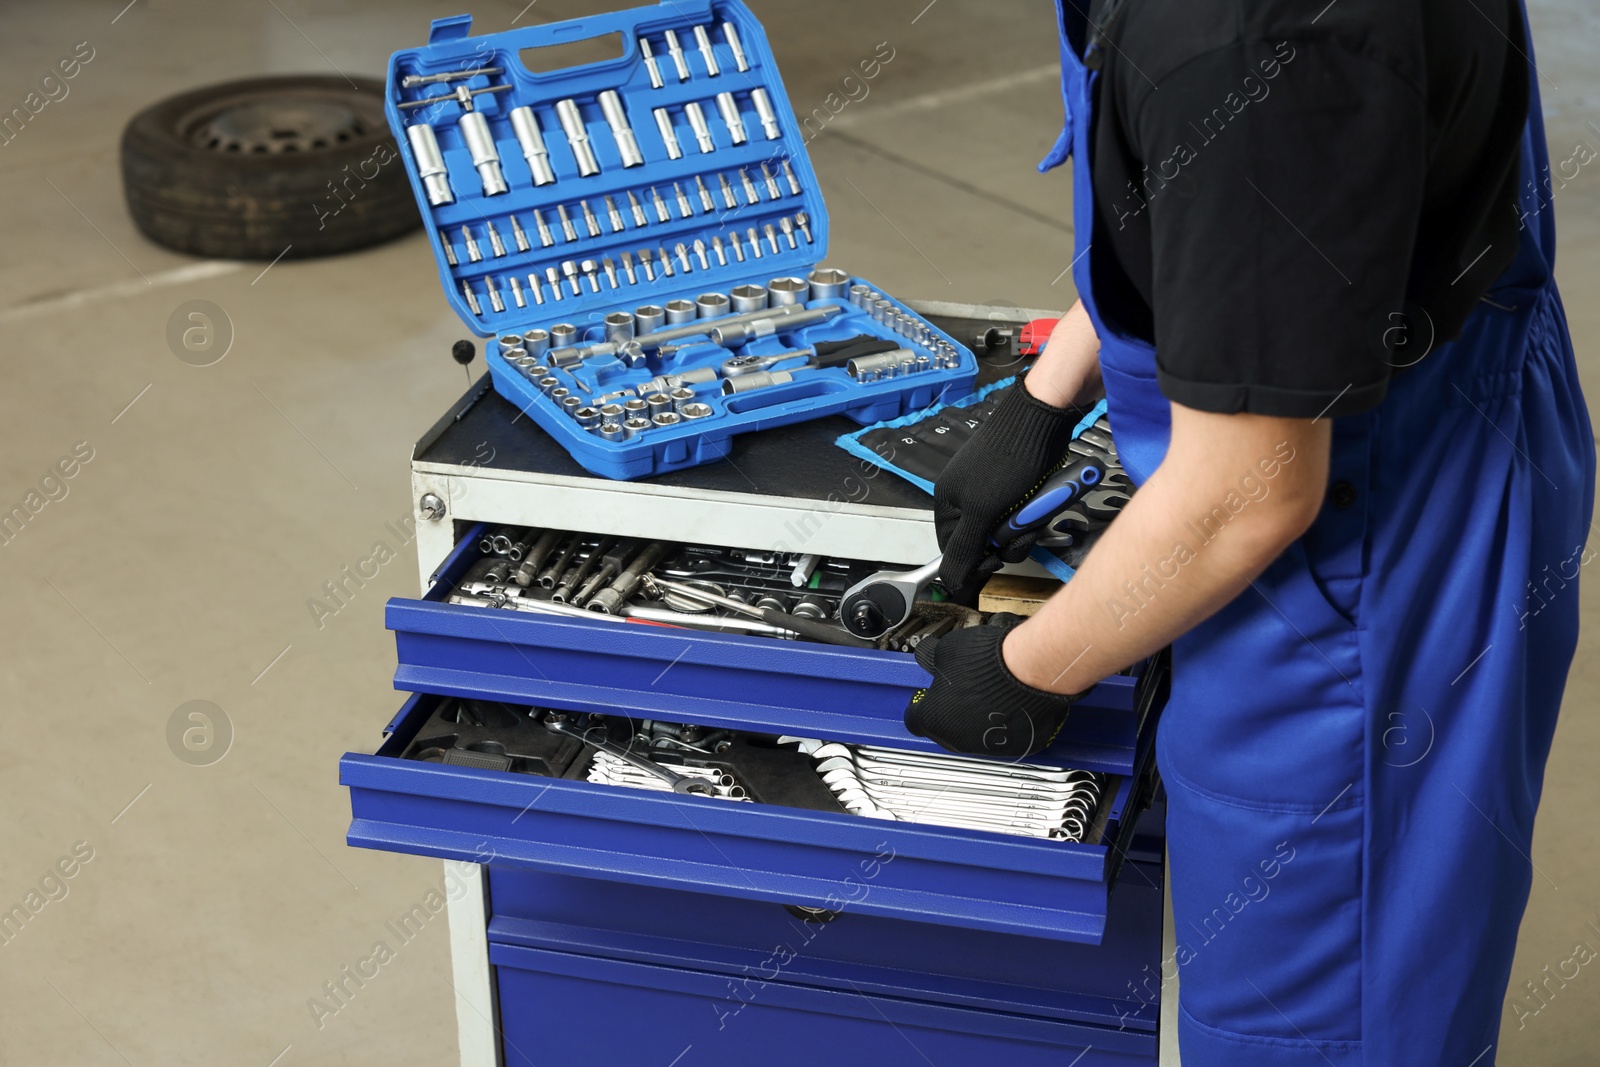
449,29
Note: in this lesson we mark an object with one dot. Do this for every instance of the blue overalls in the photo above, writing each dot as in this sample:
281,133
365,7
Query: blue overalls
1354,747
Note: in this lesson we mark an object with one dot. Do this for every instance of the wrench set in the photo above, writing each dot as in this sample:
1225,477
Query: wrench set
1029,800
616,750
1052,803
649,229
769,594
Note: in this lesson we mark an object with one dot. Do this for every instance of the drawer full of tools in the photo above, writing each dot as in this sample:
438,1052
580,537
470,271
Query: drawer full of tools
810,822
644,234
722,637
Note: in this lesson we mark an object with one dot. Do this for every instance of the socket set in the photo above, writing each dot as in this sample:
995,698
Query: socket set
787,596
643,237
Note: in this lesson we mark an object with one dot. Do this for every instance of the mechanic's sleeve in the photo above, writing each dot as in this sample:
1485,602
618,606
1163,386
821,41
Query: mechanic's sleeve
1282,245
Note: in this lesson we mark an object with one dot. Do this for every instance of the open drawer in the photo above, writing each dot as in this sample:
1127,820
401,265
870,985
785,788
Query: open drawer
757,851
715,679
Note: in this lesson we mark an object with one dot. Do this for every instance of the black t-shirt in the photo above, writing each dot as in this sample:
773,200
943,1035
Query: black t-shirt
1286,191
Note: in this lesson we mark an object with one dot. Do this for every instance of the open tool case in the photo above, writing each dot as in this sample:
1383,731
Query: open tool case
577,210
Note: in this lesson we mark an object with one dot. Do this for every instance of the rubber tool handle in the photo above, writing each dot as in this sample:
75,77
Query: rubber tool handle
838,353
814,629
1059,491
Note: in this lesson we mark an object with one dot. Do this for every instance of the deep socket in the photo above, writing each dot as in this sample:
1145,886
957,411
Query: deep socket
526,126
729,107
730,33
430,164
669,136
703,39
764,111
697,122
577,136
617,118
480,144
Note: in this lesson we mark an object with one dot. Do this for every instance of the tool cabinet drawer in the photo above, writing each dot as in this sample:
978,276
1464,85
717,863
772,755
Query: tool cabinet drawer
589,662
756,943
808,857
690,1011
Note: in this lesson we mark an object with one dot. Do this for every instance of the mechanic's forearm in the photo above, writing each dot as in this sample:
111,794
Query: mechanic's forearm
1233,492
1068,370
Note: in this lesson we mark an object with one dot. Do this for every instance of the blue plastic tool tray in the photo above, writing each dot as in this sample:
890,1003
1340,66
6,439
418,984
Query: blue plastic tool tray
988,881
530,237
723,680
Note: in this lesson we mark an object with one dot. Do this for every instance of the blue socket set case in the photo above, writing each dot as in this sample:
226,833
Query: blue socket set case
642,236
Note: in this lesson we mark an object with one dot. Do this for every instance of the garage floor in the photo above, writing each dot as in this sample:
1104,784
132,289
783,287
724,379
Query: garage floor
219,899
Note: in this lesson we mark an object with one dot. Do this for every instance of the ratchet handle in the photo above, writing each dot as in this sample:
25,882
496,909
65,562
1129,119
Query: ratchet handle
1055,494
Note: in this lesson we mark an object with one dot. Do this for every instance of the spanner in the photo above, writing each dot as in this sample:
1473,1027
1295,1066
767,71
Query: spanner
875,605
678,782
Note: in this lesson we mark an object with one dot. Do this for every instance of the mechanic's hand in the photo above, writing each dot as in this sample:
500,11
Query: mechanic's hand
1000,465
975,704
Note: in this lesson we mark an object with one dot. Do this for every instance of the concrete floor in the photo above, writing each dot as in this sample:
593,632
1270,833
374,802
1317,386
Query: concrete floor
220,898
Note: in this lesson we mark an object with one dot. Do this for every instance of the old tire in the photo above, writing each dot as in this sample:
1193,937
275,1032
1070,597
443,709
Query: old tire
294,166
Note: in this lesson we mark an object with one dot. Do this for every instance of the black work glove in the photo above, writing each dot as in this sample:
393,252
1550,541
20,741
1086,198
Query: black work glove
1015,448
975,704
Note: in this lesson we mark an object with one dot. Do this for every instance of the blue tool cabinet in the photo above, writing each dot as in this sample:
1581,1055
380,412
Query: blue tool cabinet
606,925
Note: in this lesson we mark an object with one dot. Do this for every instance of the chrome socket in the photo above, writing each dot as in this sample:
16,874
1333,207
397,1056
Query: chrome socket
559,393
537,342
666,418
730,33
785,292
681,397
880,309
877,364
650,64
694,410
680,312
859,294
675,50
826,283
508,341
617,118
577,132
536,372
697,122
635,408
648,318
561,335
611,413
669,136
480,144
711,305
746,298
769,117
619,326
703,40
760,379
547,384
611,431
526,126
587,417
634,427
430,164
729,107
570,404
657,403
